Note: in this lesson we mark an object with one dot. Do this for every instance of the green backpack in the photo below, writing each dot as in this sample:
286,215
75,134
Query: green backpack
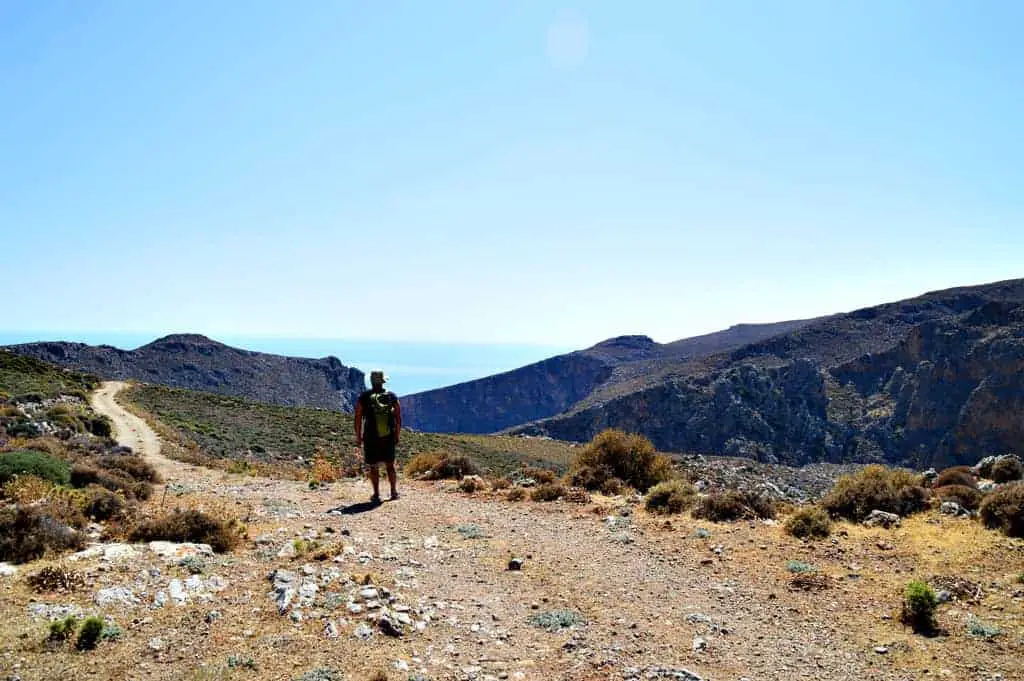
383,412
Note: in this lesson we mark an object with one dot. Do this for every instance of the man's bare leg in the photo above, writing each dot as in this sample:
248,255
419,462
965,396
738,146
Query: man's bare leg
392,478
375,480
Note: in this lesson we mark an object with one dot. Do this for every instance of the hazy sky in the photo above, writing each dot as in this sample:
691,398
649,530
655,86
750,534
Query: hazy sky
501,171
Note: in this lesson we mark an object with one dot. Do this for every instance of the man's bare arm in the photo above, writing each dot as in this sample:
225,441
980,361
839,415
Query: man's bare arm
359,423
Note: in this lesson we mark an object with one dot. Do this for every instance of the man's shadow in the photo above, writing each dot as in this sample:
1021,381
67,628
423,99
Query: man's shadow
354,509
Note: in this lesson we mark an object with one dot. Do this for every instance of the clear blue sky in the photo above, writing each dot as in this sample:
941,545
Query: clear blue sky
501,171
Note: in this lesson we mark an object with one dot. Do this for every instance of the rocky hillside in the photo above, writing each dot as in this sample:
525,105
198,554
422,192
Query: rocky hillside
552,386
935,380
198,363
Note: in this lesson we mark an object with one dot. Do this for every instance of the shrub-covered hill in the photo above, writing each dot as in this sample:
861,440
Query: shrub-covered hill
222,427
27,378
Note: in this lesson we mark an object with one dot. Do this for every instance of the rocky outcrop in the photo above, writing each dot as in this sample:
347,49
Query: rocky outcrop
198,363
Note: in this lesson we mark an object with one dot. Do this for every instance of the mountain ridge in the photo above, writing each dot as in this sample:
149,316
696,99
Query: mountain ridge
196,362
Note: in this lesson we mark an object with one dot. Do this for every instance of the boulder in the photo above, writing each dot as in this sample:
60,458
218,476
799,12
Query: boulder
882,519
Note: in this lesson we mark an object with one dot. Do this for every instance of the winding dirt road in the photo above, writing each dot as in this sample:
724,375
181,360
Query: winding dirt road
129,429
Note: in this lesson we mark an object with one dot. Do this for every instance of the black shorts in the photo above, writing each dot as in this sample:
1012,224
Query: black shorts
378,451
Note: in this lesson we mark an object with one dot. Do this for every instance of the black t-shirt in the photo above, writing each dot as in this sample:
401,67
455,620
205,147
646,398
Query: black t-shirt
369,420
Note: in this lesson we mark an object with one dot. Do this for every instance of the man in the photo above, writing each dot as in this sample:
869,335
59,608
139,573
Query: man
378,424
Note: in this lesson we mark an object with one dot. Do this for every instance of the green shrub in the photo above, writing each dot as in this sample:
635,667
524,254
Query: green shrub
957,475
809,522
733,505
63,630
1007,469
612,453
100,426
28,462
919,603
1003,509
551,491
671,496
90,633
968,497
26,534
873,487
800,567
188,526
556,619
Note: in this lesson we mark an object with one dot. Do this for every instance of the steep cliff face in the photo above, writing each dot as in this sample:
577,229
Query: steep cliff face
950,390
559,384
497,402
198,363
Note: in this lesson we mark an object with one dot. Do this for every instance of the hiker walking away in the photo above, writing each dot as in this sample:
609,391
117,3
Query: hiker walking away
378,425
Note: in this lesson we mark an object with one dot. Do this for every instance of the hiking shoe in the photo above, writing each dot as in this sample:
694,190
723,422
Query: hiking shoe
375,499
394,496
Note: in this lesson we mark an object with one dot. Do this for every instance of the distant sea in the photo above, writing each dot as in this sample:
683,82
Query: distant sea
411,367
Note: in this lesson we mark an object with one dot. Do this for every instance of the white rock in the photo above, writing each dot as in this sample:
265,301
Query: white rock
119,552
171,550
430,542
178,593
7,570
116,595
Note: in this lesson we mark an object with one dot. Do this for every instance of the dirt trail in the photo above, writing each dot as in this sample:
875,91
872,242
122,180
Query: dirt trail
129,429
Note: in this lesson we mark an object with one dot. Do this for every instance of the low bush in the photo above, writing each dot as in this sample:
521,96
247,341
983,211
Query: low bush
498,484
613,453
919,604
470,484
90,633
115,480
100,426
63,630
1007,469
422,464
671,496
1003,510
733,505
968,497
55,578
39,464
956,475
893,490
540,476
188,526
27,534
27,489
810,522
440,466
613,487
322,471
550,491
133,466
516,494
102,504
